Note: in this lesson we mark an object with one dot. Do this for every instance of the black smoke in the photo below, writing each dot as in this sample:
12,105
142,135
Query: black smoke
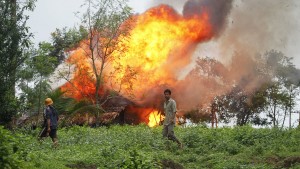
218,11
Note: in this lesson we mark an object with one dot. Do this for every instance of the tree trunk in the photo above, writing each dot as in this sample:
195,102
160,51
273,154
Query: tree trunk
39,102
246,118
299,119
98,85
14,46
284,117
98,76
290,106
274,115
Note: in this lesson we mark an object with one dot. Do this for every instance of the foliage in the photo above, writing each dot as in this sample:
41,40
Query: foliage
144,147
65,39
245,106
14,41
36,70
12,149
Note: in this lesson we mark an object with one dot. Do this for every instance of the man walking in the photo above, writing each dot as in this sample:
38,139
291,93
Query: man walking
50,122
170,119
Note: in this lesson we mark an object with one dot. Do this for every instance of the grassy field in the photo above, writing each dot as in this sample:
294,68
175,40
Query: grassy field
143,147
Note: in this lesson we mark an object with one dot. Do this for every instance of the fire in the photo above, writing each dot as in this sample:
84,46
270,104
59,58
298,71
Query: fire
158,46
154,118
83,83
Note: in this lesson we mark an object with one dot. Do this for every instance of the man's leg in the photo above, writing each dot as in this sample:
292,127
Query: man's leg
53,136
165,135
165,131
55,142
171,135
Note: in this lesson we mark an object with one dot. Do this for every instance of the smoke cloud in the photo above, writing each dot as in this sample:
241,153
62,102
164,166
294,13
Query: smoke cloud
256,27
245,30
218,11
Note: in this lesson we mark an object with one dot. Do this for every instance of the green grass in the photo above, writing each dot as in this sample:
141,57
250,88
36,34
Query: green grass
143,147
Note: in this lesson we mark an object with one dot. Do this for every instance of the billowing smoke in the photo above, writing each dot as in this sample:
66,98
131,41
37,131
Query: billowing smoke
245,30
255,28
218,11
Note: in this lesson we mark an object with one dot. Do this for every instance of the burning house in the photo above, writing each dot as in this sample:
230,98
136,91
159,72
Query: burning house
157,48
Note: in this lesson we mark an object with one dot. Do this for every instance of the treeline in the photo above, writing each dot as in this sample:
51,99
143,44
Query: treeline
265,94
24,69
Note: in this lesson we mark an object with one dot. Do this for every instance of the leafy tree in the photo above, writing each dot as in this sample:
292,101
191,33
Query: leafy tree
275,99
36,70
66,39
242,105
282,92
14,40
104,22
289,75
211,68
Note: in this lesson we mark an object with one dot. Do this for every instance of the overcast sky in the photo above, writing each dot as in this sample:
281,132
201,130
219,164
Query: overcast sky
51,14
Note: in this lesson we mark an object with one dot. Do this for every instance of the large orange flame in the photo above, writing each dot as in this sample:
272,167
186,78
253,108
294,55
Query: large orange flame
158,46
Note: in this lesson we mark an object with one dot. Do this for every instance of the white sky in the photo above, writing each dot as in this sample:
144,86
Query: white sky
51,14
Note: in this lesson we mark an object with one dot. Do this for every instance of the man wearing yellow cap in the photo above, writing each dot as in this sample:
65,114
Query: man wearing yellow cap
50,122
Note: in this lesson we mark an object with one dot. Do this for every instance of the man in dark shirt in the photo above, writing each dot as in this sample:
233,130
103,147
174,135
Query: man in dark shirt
50,122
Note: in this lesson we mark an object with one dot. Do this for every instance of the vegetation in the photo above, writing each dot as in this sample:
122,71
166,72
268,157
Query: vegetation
144,147
14,42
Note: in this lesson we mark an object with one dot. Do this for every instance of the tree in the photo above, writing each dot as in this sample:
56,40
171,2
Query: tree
66,39
105,23
275,99
37,69
242,105
282,92
289,75
14,40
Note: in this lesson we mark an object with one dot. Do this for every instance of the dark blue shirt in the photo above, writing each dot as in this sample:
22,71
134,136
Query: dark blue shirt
50,113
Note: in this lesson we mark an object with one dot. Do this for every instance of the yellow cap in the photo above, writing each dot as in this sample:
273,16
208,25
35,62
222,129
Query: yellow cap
48,101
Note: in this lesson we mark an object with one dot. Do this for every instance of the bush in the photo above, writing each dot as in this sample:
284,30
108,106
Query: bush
9,148
143,147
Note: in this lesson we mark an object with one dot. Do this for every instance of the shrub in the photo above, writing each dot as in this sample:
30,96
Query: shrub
9,148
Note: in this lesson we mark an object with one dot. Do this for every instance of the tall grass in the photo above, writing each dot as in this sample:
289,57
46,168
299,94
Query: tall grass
144,147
